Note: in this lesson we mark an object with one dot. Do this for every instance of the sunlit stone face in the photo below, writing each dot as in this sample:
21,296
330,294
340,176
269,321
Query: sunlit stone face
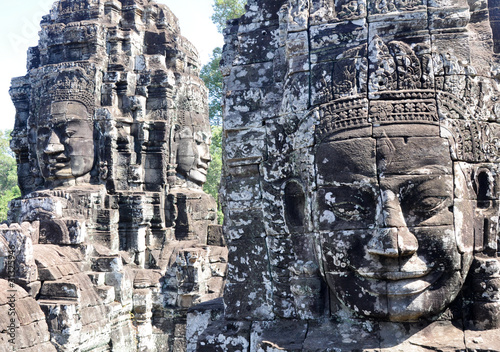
393,246
193,153
65,146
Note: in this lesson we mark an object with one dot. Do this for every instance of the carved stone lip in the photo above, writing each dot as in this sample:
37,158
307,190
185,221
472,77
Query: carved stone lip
394,275
202,170
202,167
58,165
401,283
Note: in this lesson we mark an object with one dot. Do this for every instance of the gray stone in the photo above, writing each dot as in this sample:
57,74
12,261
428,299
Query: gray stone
112,140
373,217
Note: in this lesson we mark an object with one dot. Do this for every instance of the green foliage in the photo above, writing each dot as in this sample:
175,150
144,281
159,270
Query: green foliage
8,175
212,76
214,171
5,198
225,10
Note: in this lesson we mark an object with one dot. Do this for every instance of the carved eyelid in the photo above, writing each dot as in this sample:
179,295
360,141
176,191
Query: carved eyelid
70,133
432,208
356,211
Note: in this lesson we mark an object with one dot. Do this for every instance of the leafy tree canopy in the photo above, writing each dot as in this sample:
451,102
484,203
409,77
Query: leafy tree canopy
212,76
225,10
8,174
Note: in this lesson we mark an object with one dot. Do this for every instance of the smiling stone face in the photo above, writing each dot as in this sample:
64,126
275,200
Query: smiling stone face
193,153
387,217
65,146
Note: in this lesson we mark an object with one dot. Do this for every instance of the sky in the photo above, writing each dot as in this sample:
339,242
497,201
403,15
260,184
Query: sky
20,24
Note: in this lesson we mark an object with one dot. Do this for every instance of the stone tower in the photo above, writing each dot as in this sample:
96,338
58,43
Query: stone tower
113,238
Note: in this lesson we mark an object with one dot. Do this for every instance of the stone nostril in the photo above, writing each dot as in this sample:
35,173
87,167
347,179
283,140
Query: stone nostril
393,242
384,243
53,145
407,242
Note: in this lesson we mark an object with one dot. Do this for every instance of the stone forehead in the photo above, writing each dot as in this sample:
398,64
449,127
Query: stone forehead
371,157
61,84
63,111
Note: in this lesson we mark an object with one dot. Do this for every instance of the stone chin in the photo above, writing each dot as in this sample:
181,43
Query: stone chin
81,165
198,176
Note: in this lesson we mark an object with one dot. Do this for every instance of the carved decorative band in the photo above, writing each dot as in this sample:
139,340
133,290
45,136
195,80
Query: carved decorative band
404,106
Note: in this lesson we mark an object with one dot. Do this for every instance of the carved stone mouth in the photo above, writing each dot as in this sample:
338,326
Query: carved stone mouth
394,275
399,283
56,163
202,167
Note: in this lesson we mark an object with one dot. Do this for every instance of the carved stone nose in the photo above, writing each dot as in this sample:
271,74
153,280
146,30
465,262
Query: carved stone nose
393,242
54,145
205,154
392,238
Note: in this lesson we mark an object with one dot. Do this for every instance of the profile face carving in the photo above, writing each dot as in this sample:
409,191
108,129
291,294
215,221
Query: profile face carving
193,153
393,244
65,146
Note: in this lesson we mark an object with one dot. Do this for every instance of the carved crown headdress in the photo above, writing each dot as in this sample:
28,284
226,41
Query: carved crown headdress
67,84
398,86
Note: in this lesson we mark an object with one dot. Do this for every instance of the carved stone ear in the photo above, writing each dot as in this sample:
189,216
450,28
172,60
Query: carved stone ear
62,231
294,200
53,232
484,185
486,217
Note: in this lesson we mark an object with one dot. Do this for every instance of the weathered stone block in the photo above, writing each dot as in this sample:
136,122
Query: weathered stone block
215,237
108,264
246,224
342,337
328,41
262,45
230,336
251,76
268,336
60,290
443,335
245,144
106,293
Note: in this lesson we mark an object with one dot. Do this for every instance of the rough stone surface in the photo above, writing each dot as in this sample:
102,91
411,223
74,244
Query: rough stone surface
360,185
113,239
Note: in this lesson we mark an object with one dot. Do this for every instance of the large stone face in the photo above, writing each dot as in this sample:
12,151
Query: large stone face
113,234
360,181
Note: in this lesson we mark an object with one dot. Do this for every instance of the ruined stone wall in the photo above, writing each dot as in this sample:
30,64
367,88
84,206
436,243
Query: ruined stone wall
340,117
113,235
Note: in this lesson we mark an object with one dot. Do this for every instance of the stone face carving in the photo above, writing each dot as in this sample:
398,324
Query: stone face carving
390,247
64,129
193,149
113,235
360,183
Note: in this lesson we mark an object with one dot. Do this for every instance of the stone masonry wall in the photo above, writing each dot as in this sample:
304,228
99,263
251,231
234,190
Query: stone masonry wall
113,238
326,99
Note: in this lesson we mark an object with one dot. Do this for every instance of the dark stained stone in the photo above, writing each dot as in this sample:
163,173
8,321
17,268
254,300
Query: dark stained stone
374,211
